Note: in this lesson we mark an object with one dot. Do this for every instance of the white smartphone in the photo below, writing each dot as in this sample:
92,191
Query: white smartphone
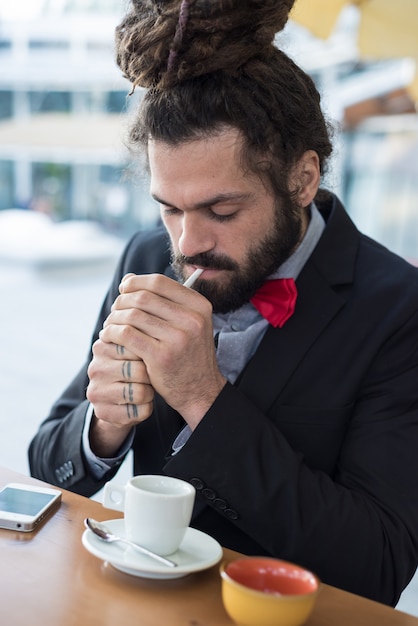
23,507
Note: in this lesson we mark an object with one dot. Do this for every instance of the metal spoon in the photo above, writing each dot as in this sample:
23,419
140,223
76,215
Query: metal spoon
104,533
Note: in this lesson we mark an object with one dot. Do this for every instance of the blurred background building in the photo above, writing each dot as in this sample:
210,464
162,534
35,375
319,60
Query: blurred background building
64,108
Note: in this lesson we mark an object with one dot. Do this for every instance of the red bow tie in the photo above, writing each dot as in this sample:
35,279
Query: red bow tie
276,300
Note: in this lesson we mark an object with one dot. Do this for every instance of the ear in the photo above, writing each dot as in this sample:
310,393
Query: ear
306,177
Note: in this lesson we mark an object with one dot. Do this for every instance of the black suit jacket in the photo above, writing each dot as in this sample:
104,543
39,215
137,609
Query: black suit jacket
312,455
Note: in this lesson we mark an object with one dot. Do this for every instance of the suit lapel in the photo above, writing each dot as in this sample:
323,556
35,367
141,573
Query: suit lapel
281,350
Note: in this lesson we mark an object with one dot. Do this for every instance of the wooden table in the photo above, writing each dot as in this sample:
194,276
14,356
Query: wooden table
48,578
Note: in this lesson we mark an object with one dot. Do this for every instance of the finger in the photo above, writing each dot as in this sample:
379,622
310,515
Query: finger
141,331
123,414
121,352
138,342
143,300
137,412
133,393
106,372
141,287
151,282
125,278
118,394
131,371
112,351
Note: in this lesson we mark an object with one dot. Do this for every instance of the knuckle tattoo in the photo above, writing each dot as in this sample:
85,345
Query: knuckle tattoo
132,411
128,393
127,370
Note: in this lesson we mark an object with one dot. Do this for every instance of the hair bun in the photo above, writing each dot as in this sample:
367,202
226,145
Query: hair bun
161,42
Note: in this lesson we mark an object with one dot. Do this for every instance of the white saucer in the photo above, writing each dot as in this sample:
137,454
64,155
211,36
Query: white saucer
197,551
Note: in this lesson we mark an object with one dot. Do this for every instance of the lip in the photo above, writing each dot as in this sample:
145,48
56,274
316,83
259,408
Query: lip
193,268
207,271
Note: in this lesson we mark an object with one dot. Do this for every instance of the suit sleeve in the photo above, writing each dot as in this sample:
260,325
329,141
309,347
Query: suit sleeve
357,525
55,453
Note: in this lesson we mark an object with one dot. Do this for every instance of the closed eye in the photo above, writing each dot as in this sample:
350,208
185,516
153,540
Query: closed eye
170,210
221,208
221,217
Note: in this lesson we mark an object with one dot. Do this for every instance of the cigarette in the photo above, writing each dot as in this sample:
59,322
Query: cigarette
192,279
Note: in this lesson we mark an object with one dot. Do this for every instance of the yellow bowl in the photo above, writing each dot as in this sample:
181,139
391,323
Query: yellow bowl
262,591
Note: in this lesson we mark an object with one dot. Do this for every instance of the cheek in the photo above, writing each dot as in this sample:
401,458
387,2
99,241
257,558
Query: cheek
244,237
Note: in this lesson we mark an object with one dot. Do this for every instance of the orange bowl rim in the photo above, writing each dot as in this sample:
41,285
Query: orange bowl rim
261,594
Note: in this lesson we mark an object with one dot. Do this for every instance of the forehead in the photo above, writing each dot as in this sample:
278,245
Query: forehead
205,162
202,153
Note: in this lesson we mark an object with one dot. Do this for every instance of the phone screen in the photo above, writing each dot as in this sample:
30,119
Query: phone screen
22,501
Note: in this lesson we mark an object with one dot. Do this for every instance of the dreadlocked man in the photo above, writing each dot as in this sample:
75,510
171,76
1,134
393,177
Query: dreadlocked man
296,419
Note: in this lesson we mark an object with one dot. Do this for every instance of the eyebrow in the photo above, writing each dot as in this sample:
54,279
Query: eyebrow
204,204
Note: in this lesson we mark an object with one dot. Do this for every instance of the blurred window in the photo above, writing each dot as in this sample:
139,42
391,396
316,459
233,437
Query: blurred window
6,104
116,101
381,184
6,184
110,174
46,101
51,185
43,44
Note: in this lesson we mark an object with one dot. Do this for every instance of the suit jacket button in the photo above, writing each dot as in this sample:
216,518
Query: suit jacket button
231,514
220,504
208,493
197,483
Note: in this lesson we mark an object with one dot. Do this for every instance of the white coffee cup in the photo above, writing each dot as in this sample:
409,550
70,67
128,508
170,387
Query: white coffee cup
158,510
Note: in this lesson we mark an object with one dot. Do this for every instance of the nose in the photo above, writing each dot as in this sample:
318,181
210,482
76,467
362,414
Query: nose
196,235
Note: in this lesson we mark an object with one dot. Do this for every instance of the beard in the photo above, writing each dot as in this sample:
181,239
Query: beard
261,260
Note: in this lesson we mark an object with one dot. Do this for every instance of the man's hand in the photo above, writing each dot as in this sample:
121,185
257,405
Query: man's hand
169,327
120,393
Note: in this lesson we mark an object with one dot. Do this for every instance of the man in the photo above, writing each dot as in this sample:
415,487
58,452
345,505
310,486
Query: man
299,433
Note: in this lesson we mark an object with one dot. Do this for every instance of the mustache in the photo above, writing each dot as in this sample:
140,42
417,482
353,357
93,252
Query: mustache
207,260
